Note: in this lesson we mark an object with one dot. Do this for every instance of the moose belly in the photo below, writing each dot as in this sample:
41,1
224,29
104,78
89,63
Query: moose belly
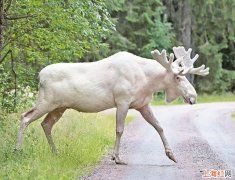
82,95
91,107
87,102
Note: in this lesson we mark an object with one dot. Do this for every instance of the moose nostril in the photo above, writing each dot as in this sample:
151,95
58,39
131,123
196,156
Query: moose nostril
192,100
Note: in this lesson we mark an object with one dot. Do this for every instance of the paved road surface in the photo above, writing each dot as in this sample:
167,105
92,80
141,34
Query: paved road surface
201,136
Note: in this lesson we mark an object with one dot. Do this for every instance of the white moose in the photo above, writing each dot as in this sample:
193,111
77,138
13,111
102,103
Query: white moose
123,80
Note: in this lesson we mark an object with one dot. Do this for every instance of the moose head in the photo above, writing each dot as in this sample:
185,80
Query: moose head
178,85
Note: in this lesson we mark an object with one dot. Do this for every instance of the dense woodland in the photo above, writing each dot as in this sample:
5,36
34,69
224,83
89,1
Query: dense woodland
35,33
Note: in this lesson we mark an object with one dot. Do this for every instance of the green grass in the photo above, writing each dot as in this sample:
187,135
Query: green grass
82,139
201,99
216,98
233,116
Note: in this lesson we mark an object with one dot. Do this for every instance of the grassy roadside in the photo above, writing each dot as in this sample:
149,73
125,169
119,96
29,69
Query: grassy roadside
82,139
201,99
233,116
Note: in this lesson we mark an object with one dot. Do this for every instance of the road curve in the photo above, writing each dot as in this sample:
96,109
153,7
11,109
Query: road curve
201,136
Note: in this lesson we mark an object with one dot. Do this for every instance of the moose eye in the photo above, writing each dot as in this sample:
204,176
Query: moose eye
177,78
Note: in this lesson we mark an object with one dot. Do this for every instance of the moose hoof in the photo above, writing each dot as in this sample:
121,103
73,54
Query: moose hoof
170,155
55,151
17,150
117,160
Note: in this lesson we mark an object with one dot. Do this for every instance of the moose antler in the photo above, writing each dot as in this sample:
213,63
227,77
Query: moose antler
168,64
187,62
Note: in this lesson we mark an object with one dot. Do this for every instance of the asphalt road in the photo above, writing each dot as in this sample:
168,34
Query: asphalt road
202,137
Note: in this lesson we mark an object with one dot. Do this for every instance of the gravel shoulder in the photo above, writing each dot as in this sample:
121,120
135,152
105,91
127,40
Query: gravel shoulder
201,136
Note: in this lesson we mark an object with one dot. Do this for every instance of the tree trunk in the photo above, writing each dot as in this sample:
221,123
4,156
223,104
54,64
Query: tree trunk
1,26
179,13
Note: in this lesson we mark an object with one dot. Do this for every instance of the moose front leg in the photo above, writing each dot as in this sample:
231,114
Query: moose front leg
120,120
148,115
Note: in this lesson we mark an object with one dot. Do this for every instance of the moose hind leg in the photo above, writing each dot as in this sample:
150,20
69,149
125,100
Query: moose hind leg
26,119
47,124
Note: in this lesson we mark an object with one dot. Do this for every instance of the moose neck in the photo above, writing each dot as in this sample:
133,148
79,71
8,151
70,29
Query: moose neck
158,77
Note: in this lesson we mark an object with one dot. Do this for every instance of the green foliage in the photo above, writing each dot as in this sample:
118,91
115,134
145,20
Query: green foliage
214,32
81,139
57,31
45,32
141,27
228,77
49,32
211,52
7,93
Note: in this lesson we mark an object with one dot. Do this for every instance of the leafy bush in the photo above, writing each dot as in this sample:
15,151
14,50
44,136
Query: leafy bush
48,32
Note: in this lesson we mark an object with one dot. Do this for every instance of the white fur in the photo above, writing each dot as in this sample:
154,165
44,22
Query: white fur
123,81
92,87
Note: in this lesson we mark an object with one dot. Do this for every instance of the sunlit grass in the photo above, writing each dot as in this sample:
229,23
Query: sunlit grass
233,116
204,98
229,97
82,139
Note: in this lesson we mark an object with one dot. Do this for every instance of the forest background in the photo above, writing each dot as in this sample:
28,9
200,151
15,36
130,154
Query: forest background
36,33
